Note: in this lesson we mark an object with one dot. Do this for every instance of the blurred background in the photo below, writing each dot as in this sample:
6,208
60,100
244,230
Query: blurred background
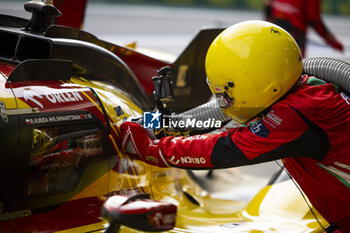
167,26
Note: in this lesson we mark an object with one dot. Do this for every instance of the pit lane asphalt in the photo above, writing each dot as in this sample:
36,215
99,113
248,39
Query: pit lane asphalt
170,29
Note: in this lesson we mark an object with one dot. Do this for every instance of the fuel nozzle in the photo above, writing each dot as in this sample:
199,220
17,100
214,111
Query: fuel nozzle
162,85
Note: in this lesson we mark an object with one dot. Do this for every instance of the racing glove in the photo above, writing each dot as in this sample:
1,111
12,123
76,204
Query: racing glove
190,152
138,145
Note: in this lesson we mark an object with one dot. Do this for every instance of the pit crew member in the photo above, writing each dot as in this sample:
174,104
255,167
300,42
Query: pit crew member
254,70
296,16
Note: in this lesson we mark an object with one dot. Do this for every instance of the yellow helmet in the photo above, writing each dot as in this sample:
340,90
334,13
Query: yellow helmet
251,65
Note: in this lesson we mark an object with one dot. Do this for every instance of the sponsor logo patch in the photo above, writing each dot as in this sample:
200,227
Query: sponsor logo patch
273,119
190,160
152,158
259,129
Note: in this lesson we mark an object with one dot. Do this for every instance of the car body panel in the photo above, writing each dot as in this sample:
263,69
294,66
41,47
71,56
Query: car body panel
197,210
265,213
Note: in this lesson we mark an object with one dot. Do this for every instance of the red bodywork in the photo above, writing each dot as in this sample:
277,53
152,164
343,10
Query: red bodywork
154,214
6,68
68,215
73,12
55,95
49,97
144,67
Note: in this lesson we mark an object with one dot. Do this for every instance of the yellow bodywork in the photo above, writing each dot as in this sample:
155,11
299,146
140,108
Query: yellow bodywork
276,208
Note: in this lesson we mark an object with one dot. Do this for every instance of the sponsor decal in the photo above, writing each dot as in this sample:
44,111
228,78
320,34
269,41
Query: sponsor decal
274,31
191,138
162,174
53,97
62,97
196,137
152,158
187,160
55,119
191,160
172,160
29,95
218,89
259,129
162,219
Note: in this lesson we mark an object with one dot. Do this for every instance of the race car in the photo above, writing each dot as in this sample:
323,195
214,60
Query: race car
63,95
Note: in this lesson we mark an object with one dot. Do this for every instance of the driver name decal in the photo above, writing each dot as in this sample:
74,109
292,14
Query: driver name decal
55,119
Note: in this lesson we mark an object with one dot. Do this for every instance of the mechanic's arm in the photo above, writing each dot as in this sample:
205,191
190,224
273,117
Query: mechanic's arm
315,21
283,132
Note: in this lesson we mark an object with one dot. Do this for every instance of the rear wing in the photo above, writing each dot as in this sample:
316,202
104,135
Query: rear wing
188,73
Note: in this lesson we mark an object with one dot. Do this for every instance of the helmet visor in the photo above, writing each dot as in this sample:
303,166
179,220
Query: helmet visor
221,94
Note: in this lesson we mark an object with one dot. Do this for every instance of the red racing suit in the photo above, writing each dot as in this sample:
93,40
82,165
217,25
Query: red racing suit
309,129
295,16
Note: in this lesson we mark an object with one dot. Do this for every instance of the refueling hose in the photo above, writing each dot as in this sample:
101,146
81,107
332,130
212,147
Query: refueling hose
328,69
207,111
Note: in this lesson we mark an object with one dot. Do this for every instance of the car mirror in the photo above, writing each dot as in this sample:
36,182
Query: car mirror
138,212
